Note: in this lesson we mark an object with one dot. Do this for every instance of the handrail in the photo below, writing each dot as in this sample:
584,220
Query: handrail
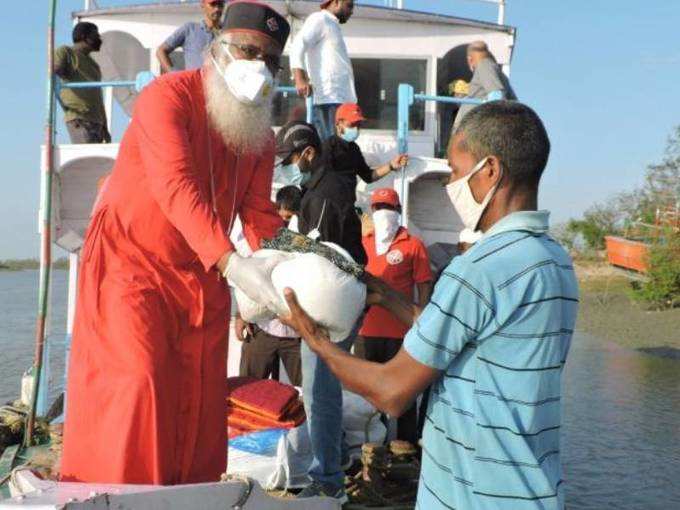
406,97
145,77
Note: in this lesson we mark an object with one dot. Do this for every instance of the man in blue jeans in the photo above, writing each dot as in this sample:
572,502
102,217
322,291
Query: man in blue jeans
325,215
321,65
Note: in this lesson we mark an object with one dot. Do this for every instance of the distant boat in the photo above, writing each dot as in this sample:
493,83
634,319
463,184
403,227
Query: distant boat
631,251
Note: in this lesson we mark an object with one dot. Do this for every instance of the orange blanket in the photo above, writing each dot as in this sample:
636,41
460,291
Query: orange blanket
265,397
244,419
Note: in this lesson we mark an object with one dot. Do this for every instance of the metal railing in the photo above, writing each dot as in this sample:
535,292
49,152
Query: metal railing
406,97
145,77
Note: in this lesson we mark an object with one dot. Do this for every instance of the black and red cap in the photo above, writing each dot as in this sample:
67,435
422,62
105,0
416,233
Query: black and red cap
249,16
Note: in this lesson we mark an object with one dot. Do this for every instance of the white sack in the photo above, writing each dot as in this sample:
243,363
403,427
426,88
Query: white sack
361,422
330,296
249,310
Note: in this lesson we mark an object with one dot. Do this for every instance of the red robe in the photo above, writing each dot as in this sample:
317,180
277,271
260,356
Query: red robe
146,384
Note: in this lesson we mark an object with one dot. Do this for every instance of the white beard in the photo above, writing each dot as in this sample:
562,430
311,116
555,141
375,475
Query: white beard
245,128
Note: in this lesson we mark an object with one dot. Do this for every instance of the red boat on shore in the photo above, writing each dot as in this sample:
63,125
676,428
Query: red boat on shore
627,253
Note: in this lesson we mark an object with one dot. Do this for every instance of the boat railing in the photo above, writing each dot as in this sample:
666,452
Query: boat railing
406,98
145,77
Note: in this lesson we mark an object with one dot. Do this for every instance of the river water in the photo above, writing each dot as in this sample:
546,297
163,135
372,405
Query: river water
621,433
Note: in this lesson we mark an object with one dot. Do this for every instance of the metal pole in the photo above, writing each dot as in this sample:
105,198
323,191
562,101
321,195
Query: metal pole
46,224
404,102
309,105
501,12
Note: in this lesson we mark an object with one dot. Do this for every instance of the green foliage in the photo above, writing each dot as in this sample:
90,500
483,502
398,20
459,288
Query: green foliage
598,221
662,288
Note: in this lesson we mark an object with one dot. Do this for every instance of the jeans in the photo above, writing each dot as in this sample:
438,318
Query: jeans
323,118
322,396
260,355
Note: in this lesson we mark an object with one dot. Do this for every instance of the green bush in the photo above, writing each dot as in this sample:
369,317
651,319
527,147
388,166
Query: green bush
662,288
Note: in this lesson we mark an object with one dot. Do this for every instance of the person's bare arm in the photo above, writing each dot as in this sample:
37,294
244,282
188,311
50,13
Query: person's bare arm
163,55
424,293
391,387
400,305
395,164
304,88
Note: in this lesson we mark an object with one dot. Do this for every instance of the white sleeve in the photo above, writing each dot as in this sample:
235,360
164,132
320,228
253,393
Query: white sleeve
309,35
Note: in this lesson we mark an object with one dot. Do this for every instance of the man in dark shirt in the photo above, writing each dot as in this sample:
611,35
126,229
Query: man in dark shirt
84,112
343,156
325,215
326,212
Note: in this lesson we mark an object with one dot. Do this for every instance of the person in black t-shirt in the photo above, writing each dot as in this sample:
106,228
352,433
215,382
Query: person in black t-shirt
343,156
326,213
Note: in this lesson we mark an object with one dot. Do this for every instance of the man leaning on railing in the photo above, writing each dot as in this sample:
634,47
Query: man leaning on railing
84,112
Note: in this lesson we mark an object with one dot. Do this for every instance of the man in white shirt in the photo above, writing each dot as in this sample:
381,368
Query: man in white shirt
320,63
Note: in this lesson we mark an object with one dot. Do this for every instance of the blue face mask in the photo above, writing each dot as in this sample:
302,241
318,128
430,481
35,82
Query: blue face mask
350,134
292,175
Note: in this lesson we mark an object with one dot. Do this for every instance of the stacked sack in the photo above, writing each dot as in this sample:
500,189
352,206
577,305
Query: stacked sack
259,404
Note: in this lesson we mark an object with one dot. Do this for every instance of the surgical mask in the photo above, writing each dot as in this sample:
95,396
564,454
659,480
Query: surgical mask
469,210
292,175
248,80
350,134
385,224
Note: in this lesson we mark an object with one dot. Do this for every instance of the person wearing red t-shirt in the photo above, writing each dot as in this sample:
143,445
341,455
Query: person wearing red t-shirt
401,260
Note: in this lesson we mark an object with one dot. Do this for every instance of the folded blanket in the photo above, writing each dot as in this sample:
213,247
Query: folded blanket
265,397
244,419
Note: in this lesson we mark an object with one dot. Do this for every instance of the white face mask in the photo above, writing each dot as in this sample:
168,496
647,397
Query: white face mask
248,80
463,201
386,224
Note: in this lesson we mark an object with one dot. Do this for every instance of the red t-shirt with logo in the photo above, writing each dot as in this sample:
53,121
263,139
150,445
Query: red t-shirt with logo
405,264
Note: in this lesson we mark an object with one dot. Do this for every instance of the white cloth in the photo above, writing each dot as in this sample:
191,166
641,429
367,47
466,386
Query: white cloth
293,223
319,48
385,226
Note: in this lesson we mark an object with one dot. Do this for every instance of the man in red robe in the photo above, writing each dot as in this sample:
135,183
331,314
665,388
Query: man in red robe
147,372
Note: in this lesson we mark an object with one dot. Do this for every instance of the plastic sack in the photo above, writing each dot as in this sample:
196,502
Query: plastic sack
332,297
249,310
361,422
262,442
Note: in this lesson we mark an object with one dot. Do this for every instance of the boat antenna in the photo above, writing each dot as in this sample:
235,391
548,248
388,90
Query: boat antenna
46,229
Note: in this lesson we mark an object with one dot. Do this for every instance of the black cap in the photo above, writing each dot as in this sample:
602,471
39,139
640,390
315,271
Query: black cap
257,17
295,136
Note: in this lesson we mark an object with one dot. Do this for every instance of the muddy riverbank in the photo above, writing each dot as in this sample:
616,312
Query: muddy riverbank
607,312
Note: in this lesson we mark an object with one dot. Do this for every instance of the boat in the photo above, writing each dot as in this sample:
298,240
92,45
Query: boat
631,251
404,61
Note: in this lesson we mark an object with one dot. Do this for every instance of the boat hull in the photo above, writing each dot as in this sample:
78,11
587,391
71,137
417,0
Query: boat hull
627,254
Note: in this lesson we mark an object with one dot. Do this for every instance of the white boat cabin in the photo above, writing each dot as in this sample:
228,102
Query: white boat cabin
387,46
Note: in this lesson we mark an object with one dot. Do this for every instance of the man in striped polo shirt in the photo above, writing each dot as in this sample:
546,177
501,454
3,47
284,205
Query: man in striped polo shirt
492,341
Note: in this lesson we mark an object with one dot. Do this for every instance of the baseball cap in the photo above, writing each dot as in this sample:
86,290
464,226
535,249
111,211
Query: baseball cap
349,112
295,136
325,3
385,196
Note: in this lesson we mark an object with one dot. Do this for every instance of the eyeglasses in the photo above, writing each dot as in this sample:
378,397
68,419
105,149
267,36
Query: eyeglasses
217,4
250,52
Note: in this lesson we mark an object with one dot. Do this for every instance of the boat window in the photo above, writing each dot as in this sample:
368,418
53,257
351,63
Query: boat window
287,106
376,82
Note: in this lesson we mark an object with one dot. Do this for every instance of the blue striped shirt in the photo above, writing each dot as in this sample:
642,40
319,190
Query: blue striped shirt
498,326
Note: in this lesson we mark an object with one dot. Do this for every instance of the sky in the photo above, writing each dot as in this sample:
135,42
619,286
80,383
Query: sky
603,75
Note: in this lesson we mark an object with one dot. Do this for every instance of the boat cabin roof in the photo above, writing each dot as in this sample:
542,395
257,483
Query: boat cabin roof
300,9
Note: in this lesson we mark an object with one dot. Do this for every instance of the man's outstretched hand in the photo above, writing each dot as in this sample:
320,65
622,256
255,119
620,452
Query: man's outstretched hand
298,319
